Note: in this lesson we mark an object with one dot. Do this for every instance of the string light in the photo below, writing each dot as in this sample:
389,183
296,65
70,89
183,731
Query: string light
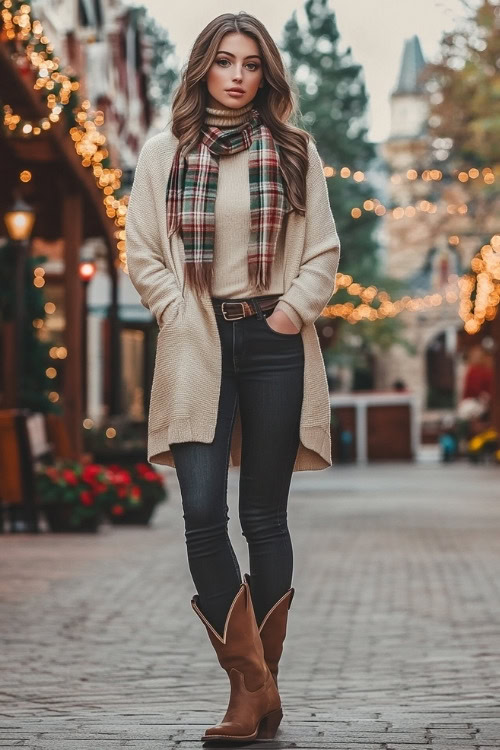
486,174
400,212
90,144
485,280
387,308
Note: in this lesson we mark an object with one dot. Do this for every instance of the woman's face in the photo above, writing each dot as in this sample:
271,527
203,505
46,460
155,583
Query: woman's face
238,64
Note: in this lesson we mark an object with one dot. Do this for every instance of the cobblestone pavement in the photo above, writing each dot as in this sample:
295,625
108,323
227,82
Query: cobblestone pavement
394,631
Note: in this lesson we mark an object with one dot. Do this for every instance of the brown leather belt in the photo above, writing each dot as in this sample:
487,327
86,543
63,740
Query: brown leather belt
236,309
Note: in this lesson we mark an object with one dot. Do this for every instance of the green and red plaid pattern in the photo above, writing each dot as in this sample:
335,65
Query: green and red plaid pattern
192,190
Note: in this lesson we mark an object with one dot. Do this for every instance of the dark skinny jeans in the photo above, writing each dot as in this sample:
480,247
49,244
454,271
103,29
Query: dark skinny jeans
263,371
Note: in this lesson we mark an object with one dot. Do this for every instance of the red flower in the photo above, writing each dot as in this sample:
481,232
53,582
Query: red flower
135,492
69,476
120,476
122,492
90,473
86,497
150,476
117,510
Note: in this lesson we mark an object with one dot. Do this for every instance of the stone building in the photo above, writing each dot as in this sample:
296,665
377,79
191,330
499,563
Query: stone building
103,41
427,248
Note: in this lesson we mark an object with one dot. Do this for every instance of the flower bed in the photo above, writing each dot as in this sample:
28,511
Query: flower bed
76,497
133,493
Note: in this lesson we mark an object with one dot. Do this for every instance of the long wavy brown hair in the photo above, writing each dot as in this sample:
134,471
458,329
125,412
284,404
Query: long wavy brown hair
277,100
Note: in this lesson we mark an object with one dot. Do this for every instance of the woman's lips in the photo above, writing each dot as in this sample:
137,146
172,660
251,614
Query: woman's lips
236,93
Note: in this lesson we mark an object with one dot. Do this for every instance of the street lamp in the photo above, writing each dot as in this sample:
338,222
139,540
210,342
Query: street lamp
19,221
86,271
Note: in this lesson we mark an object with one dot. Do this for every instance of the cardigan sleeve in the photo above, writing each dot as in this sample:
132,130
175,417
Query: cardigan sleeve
155,283
311,290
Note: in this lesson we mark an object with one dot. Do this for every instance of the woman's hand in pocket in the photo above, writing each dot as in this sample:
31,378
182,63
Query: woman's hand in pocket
280,322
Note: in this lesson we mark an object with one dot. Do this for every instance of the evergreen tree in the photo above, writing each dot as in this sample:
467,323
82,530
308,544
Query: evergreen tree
34,384
333,103
162,71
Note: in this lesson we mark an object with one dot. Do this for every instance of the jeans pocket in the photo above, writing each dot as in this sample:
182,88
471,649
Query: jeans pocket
277,333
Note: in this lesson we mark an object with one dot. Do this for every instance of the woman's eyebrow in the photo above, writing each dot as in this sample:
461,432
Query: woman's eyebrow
221,51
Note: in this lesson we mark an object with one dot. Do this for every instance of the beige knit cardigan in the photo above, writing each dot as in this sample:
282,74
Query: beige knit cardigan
188,365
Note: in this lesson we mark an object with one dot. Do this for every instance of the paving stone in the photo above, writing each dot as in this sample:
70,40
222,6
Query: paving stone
392,637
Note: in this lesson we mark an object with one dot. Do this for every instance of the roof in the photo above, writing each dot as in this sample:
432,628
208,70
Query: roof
412,62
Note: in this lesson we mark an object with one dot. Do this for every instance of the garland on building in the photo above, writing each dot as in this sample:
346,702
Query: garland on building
478,292
32,52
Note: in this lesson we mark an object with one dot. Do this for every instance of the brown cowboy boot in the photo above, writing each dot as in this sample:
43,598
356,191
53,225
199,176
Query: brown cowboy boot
254,708
273,629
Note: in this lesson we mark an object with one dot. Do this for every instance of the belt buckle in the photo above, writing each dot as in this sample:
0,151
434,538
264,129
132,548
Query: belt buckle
238,317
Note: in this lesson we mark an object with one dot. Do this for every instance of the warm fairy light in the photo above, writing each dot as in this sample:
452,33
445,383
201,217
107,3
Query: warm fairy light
53,397
90,145
110,432
88,423
89,142
49,308
51,372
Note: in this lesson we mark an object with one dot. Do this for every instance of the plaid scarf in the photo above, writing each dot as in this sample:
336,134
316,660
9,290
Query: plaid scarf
192,190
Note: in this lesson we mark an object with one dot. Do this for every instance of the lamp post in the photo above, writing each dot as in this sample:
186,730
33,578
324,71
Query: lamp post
86,271
19,221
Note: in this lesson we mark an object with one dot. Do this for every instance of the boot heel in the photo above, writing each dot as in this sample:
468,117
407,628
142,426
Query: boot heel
269,725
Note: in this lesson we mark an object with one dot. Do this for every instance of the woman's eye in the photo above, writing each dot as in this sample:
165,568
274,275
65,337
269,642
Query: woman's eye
222,62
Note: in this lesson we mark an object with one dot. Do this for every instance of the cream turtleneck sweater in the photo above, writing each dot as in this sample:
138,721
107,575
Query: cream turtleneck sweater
232,223
186,384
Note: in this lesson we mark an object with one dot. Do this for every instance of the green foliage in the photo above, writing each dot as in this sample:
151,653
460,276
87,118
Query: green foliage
35,386
465,88
89,490
162,71
333,104
333,101
81,488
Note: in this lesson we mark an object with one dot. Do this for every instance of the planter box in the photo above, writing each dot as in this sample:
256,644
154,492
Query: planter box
58,515
141,515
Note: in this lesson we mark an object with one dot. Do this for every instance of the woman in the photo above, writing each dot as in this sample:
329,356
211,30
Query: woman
232,245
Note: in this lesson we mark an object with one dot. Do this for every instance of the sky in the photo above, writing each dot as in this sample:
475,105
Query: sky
376,33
